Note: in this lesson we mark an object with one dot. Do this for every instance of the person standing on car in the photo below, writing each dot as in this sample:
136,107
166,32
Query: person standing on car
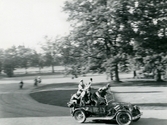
89,84
81,86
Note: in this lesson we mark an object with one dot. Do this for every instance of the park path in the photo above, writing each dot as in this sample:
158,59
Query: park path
18,103
150,117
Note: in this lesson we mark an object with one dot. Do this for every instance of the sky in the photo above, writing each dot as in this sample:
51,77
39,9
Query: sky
27,22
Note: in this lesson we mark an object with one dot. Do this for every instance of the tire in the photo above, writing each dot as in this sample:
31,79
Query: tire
123,118
135,113
80,116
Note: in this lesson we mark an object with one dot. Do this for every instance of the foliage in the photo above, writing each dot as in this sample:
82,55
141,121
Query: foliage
107,36
156,64
24,56
104,31
1,60
9,61
99,33
37,60
15,57
150,24
51,52
8,68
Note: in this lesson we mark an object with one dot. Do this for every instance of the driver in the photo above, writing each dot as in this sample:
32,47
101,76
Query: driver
102,92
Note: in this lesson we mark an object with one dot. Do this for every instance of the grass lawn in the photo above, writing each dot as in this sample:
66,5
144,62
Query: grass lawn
147,94
58,97
47,95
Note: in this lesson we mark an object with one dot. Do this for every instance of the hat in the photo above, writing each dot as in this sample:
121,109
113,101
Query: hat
78,92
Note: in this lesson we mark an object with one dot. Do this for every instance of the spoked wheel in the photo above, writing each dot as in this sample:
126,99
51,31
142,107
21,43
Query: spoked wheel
123,118
80,116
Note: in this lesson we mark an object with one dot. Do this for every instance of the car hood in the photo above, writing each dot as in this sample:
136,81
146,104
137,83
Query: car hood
122,104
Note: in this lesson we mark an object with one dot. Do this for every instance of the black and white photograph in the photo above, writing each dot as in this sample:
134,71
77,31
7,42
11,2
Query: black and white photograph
83,62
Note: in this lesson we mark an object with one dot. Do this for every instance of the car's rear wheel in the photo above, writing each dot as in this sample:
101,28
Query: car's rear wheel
123,118
80,116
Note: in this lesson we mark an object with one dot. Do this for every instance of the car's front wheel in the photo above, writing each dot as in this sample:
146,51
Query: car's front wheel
123,118
80,116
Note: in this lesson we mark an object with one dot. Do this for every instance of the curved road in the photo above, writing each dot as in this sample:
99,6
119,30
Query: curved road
17,108
18,103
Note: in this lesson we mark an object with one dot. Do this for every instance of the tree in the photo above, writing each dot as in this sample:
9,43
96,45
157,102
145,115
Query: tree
24,57
1,59
99,32
51,51
156,64
150,23
10,61
37,60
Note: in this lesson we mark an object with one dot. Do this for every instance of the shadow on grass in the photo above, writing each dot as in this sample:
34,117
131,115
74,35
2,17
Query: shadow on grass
58,97
125,83
61,97
58,85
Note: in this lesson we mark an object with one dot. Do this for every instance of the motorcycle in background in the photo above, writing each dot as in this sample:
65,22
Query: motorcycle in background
21,84
37,81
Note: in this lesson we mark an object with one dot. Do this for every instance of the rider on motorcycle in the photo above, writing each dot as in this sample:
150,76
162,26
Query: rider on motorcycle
21,84
39,79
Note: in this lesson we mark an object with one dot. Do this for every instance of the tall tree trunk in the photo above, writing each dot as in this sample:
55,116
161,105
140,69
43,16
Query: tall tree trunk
26,71
158,75
39,69
134,74
111,75
116,74
53,68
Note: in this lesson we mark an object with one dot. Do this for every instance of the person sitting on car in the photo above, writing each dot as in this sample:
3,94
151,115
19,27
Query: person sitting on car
88,95
75,99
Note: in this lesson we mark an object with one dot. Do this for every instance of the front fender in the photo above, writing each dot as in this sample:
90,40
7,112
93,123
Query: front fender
79,109
122,110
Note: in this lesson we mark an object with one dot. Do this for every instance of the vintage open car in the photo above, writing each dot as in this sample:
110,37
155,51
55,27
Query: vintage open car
122,113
